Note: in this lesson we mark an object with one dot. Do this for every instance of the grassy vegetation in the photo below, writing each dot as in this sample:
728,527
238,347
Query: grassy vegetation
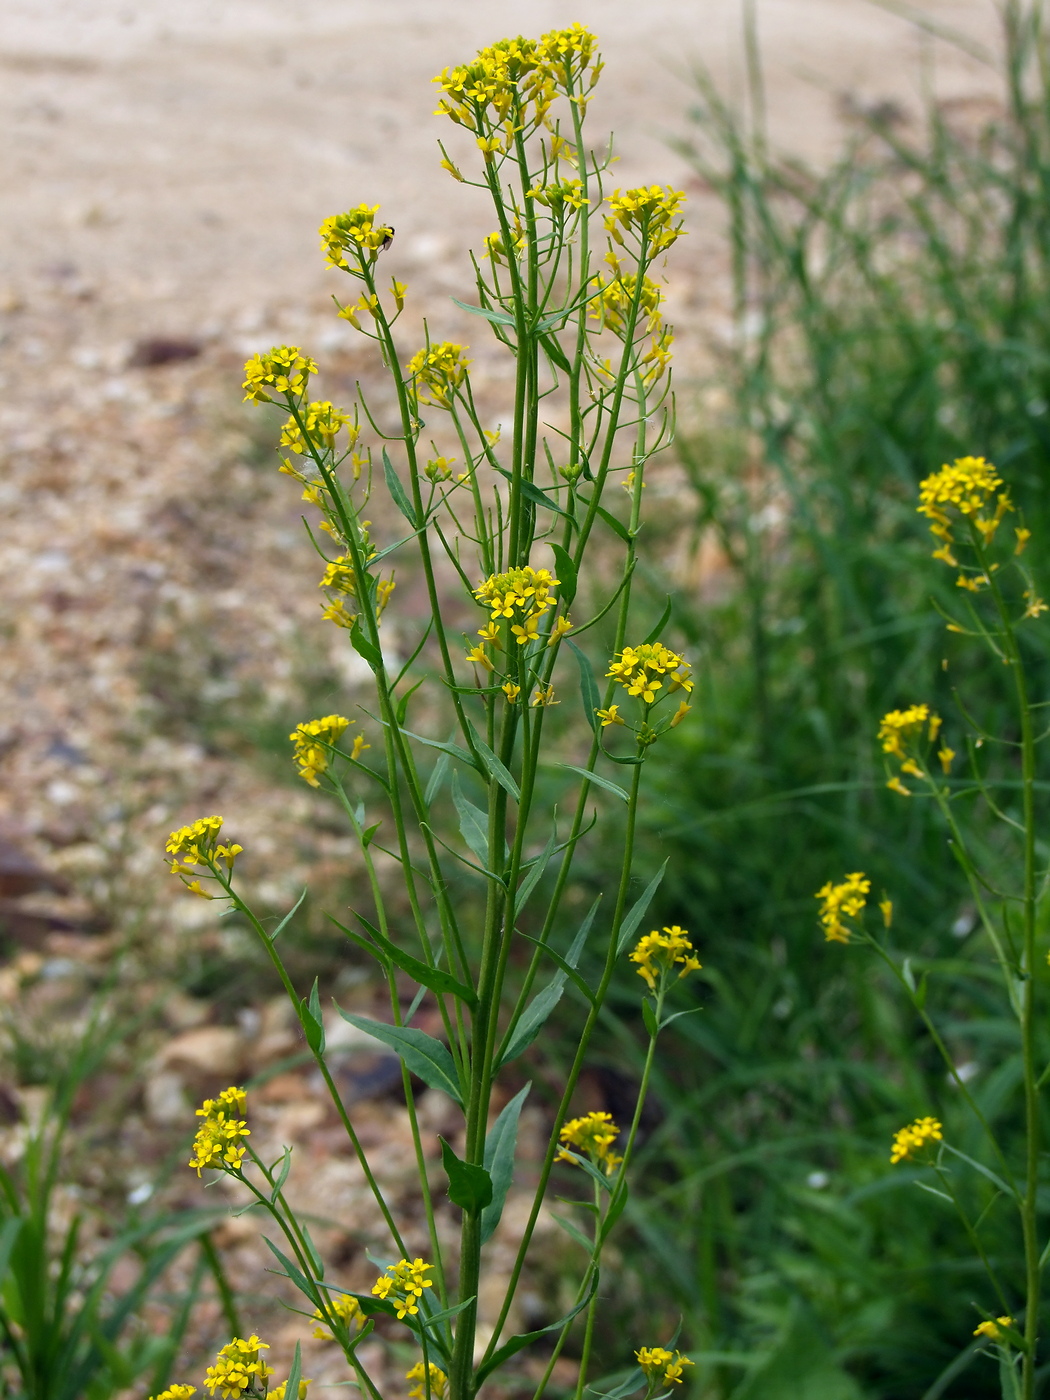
890,316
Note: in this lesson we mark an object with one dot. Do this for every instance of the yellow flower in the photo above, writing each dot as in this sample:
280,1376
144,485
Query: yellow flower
561,626
355,231
658,954
886,910
312,740
358,748
544,696
992,1330
840,902
1035,604
512,692
439,468
238,1367
945,754
617,298
403,1283
566,195
610,716
438,370
641,670
594,1135
322,422
196,845
895,785
528,629
284,370
966,487
218,1137
907,1141
661,1366
478,656
438,1381
517,593
680,714
1023,536
647,213
346,1309
176,1392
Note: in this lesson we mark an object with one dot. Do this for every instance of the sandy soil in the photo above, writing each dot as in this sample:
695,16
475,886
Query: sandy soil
164,170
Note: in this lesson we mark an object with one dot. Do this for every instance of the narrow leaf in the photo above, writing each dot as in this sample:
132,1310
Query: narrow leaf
273,937
472,824
532,493
500,1145
422,1054
637,913
501,318
532,879
436,978
496,770
436,778
515,1344
404,505
535,1014
574,1233
282,1175
664,617
291,1389
453,750
568,579
555,353
615,525
292,1272
588,686
469,1186
364,648
312,1020
596,779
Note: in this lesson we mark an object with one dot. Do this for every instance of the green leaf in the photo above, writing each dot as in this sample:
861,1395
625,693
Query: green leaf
364,648
436,978
473,825
555,353
616,1209
615,525
515,1344
500,1145
599,1178
8,1235
535,1014
469,1186
312,1021
664,616
501,318
291,1389
422,1054
437,777
649,1018
532,879
282,1175
588,686
497,771
273,937
532,493
566,968
453,750
574,1233
596,779
405,506
634,1381
637,912
568,579
304,1285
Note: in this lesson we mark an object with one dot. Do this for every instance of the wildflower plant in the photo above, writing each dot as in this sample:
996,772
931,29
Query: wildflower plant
968,506
568,283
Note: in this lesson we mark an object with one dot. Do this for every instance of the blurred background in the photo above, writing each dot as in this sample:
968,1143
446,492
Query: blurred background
861,296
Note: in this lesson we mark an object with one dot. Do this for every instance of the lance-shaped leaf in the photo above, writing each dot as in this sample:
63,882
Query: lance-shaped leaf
424,1056
588,686
500,1145
404,505
606,784
567,575
312,1021
501,318
473,826
469,1186
637,911
497,770
544,1002
664,617
532,493
515,1344
435,978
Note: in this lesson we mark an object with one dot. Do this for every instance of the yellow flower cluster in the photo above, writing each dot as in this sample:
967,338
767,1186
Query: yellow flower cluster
322,422
993,1330
438,1381
311,739
509,87
658,954
496,247
641,670
282,370
403,1283
902,734
617,298
355,231
841,902
346,1308
907,1141
239,1368
524,594
966,487
593,1134
216,1143
438,371
568,194
647,213
239,1373
198,845
661,1366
